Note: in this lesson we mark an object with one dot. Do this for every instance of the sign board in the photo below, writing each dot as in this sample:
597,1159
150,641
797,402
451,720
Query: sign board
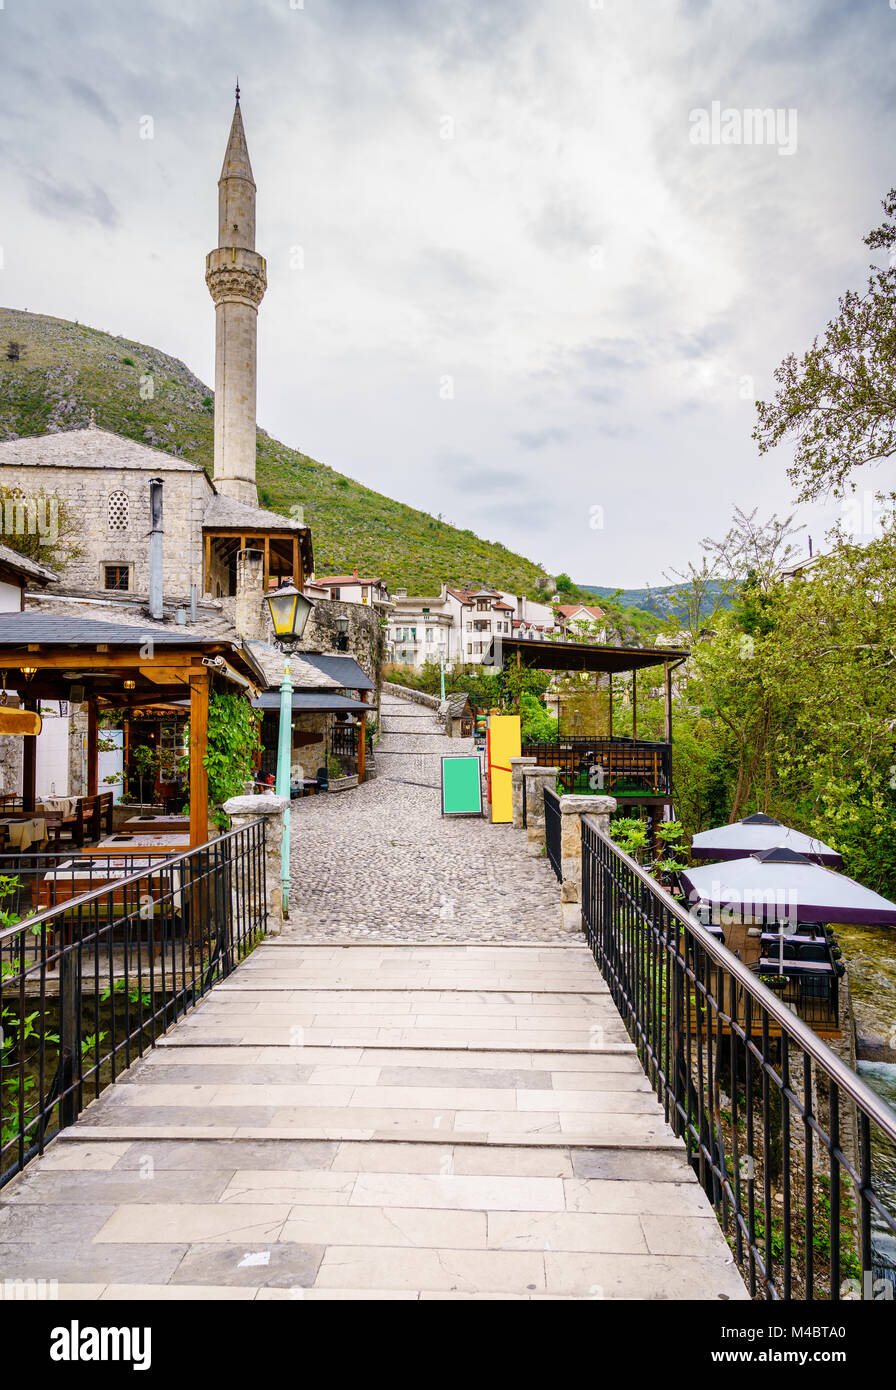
461,785
503,744
19,721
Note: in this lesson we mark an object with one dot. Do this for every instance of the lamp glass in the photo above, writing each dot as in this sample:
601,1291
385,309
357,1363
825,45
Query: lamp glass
289,611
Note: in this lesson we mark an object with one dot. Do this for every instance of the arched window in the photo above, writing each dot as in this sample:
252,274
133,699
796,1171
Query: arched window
118,511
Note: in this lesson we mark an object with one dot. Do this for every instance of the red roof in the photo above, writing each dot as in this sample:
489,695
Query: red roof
566,610
353,578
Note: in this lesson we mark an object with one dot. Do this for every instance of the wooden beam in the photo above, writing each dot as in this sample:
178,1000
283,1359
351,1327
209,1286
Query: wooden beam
92,741
29,767
611,706
207,587
668,702
634,704
267,562
198,749
297,577
362,746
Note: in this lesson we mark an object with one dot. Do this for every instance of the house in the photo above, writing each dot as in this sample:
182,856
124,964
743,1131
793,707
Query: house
460,621
581,622
354,588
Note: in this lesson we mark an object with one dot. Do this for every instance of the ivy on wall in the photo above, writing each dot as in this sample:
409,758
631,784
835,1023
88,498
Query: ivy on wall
234,739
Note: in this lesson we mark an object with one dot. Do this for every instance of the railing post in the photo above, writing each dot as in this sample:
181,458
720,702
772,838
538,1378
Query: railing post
517,790
69,1025
572,809
537,778
243,810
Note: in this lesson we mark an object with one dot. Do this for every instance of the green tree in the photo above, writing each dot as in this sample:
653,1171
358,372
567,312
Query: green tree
837,403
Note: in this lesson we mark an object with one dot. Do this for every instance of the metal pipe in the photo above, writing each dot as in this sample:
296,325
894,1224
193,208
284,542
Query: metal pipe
156,609
284,771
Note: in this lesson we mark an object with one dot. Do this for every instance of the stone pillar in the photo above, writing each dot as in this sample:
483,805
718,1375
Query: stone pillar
516,788
572,809
537,778
249,618
243,810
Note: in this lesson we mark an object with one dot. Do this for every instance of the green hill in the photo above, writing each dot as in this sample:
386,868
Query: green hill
666,602
59,371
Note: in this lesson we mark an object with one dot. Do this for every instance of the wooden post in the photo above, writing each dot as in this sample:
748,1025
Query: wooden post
91,745
267,562
29,764
207,587
634,704
297,577
362,746
611,703
668,702
198,747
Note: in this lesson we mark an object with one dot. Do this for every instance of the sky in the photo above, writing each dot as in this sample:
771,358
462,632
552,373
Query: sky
507,283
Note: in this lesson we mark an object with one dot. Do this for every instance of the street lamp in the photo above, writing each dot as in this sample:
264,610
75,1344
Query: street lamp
442,653
289,613
342,633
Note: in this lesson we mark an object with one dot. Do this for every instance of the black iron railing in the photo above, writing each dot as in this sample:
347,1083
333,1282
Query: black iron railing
89,983
552,825
625,767
796,1153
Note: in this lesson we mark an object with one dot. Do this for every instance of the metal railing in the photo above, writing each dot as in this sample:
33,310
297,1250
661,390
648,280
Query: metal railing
91,982
795,1151
552,828
623,766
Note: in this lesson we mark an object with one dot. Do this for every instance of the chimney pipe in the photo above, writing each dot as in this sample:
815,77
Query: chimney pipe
155,549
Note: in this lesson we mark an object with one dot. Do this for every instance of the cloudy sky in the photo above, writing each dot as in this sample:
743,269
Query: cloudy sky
505,284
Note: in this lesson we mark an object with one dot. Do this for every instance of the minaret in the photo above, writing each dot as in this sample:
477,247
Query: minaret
235,275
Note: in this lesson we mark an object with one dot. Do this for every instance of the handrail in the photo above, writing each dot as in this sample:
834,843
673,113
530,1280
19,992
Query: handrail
39,917
848,1080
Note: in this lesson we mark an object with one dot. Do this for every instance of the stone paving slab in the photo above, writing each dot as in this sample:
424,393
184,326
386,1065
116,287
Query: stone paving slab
442,1164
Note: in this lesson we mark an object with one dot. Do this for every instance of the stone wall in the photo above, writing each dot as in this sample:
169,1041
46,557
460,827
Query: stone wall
419,697
86,492
11,765
365,636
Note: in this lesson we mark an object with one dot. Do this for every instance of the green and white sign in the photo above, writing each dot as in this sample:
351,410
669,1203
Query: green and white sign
461,786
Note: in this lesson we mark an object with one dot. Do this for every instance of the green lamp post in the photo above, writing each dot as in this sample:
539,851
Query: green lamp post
289,611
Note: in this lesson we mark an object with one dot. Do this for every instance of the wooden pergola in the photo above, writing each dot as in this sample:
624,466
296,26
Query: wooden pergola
118,666
589,656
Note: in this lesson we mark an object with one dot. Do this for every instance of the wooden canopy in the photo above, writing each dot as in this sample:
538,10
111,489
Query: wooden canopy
122,667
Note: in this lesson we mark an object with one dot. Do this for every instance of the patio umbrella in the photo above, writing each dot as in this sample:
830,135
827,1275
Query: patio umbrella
756,834
781,885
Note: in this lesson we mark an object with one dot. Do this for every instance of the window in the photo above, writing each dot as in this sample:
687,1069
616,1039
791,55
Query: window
469,648
118,513
116,576
482,605
469,627
334,593
365,593
429,635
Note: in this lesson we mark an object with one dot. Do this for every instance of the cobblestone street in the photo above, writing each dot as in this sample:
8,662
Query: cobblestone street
381,863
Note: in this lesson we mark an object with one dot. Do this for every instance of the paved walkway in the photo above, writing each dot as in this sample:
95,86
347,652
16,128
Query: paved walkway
382,863
381,1121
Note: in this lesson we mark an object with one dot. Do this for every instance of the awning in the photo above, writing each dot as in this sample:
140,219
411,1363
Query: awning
343,669
320,702
578,656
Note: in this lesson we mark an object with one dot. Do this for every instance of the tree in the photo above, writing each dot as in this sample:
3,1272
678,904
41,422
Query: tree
838,402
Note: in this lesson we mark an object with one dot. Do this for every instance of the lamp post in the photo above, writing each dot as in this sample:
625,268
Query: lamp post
442,668
289,613
342,633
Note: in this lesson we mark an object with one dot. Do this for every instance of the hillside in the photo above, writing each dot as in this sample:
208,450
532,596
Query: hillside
64,370
663,603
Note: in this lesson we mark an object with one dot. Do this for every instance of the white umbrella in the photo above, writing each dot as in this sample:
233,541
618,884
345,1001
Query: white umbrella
780,885
756,834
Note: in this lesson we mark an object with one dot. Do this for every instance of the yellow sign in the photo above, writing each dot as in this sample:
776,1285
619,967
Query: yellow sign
19,721
503,744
